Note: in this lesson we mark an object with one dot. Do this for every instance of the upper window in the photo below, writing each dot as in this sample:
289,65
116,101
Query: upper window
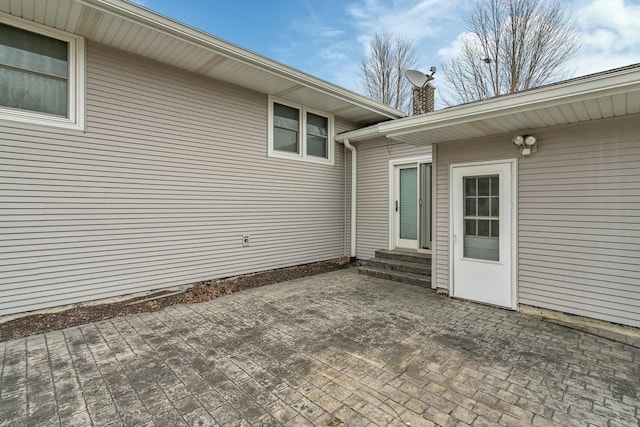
41,74
296,132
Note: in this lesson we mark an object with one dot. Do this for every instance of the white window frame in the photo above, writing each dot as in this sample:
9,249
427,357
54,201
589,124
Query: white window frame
302,132
76,80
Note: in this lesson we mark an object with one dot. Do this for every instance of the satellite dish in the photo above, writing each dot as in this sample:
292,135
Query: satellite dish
419,79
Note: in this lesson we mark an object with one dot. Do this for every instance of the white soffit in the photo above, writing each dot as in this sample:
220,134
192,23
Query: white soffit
132,28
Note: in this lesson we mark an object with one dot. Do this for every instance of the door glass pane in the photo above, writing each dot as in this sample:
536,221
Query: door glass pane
483,227
470,206
495,188
483,206
495,228
495,206
470,227
470,186
481,218
409,203
483,186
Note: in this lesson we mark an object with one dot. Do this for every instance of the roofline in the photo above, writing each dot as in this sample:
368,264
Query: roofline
153,20
612,81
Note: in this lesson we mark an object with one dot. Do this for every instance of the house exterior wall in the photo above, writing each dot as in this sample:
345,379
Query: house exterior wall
170,172
578,216
373,191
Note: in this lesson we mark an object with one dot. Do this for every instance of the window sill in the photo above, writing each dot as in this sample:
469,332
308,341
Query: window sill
299,158
39,119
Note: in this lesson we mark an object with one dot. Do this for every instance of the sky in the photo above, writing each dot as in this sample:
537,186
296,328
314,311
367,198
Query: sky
329,38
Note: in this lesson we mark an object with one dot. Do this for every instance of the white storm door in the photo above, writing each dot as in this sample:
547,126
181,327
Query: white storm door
483,220
406,206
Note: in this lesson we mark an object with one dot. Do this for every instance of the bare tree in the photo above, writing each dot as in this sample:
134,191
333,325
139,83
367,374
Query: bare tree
382,71
512,45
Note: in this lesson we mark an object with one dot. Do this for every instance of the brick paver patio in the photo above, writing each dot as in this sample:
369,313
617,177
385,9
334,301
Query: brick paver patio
334,349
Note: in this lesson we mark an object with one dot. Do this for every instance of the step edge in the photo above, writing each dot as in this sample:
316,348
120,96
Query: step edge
392,255
399,262
409,275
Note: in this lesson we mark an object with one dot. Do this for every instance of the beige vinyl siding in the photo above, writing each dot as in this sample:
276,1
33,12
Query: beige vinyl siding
373,191
578,217
579,221
171,172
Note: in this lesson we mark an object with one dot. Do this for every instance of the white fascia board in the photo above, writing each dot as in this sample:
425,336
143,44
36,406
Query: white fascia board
152,20
359,134
545,97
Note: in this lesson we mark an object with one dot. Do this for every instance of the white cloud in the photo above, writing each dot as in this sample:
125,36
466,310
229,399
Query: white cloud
328,32
417,20
616,15
609,33
334,52
452,49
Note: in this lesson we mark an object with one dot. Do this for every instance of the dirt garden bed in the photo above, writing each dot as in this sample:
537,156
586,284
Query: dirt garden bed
200,292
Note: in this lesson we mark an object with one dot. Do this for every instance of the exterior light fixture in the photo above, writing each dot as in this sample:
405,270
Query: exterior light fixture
518,140
526,142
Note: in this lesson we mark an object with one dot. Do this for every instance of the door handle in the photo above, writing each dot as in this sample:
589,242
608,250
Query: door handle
396,206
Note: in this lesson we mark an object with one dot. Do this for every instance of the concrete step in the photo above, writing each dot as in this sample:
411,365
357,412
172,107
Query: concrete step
397,276
394,264
407,256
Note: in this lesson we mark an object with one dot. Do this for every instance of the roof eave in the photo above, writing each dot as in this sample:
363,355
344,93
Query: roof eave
602,84
513,103
147,18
